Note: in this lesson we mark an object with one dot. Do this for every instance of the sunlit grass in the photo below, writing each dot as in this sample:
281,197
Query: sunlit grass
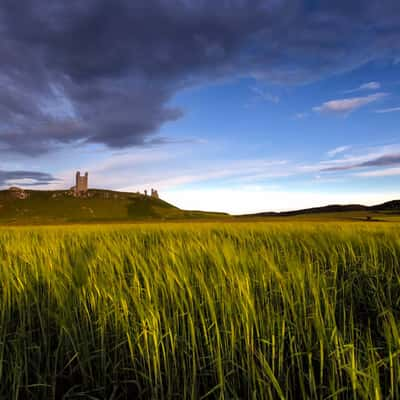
201,311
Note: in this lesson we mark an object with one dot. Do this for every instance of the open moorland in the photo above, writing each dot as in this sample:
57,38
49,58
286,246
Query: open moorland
213,310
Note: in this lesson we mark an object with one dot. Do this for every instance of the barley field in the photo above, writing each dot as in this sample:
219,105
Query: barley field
200,311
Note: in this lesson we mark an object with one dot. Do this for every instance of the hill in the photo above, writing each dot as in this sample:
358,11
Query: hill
60,206
350,211
38,207
393,205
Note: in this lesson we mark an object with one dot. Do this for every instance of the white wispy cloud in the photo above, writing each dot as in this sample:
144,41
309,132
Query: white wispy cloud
388,110
264,95
141,169
300,115
238,171
346,106
338,150
379,173
366,86
370,86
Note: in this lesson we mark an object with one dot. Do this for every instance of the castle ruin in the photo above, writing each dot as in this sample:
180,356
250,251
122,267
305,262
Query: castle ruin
81,188
154,194
81,184
18,193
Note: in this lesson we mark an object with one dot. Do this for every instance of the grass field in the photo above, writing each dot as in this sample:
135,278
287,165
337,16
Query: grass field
266,310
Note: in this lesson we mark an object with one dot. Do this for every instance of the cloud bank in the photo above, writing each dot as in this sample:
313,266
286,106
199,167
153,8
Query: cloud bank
101,71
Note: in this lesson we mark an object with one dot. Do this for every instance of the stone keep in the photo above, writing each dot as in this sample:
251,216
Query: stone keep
81,184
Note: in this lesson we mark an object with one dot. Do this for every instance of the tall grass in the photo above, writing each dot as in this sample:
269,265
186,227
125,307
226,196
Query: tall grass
200,311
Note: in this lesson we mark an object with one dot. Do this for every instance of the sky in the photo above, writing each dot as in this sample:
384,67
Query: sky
238,106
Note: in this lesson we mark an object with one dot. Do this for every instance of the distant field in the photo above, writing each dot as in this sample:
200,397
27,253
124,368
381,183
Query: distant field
290,310
344,216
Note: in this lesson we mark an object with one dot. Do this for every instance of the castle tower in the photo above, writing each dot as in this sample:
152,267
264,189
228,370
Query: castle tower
81,183
154,194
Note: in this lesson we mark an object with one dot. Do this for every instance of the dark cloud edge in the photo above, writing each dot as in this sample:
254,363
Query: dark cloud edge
386,160
111,68
40,178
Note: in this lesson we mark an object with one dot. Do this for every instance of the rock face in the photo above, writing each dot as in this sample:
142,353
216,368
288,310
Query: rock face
18,193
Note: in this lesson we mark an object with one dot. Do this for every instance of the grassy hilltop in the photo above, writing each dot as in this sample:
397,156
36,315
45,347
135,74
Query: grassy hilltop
61,206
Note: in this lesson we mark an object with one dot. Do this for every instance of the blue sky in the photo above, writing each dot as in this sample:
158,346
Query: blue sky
234,125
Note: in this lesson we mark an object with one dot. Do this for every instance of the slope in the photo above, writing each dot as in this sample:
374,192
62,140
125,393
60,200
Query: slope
34,206
386,210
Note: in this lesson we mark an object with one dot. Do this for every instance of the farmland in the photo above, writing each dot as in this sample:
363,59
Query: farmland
213,310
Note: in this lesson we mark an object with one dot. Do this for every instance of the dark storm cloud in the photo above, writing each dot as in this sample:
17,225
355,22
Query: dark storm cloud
103,71
383,161
35,178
